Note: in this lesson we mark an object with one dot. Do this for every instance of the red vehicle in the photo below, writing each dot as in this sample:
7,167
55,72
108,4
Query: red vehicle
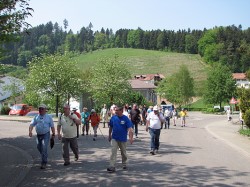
19,109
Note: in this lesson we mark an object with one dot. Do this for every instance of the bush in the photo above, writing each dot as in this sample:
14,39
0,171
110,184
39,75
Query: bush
210,110
217,110
5,110
247,118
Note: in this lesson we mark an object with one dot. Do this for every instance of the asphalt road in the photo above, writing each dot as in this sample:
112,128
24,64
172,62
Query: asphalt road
189,156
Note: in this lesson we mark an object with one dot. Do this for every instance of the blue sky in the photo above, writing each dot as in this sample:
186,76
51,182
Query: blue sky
146,14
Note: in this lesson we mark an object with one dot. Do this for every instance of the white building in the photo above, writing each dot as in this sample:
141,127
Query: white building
241,80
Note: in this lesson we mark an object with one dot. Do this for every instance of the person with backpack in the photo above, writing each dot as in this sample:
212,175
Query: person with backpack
68,123
94,118
135,116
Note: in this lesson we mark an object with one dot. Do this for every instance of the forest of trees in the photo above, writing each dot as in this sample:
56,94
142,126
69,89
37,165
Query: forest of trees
227,45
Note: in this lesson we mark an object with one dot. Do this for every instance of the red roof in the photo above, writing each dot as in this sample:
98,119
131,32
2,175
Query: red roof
239,76
148,77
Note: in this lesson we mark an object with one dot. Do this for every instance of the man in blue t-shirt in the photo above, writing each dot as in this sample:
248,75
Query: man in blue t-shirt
120,125
43,123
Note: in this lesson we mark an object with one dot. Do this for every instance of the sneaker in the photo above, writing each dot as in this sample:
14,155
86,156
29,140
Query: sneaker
76,158
124,167
111,169
136,137
66,163
93,139
43,166
82,134
156,151
152,152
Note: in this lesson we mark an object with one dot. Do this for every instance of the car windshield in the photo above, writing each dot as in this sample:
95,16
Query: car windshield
17,107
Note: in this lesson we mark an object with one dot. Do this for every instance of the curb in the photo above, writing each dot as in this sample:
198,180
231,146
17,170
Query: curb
227,140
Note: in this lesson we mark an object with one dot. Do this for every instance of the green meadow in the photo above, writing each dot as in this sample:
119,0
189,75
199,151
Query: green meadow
141,61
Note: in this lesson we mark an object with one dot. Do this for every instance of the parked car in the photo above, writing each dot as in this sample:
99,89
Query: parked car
53,115
32,113
19,109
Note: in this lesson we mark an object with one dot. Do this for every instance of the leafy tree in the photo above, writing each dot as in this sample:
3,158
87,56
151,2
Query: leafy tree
209,38
100,40
12,20
191,44
161,41
178,88
109,82
220,85
54,78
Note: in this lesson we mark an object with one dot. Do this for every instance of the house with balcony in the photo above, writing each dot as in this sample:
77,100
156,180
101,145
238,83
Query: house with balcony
241,80
146,85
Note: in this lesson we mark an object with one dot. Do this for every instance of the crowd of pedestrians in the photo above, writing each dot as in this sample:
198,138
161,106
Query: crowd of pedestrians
122,121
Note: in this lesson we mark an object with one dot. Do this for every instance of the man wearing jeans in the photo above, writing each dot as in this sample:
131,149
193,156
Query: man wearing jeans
43,122
119,127
154,120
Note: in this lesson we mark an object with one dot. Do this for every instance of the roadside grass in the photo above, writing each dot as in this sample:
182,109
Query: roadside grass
141,61
245,132
200,105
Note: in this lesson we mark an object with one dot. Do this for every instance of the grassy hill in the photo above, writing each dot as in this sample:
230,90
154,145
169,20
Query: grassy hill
141,61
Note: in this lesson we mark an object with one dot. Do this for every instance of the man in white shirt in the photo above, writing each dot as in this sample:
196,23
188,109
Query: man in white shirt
104,115
68,122
153,125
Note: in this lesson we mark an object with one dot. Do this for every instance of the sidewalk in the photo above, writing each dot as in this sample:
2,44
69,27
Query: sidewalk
15,163
228,133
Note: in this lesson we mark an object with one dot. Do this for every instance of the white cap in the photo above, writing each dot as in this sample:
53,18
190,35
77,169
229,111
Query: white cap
93,110
42,106
155,108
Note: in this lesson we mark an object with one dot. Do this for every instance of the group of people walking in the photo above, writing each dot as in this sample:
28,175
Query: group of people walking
122,122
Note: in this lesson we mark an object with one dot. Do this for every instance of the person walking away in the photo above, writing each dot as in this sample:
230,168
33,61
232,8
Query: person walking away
161,112
120,126
85,121
175,116
79,116
144,114
183,115
135,118
112,110
153,125
150,109
43,123
125,111
68,123
104,115
167,115
228,112
95,120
